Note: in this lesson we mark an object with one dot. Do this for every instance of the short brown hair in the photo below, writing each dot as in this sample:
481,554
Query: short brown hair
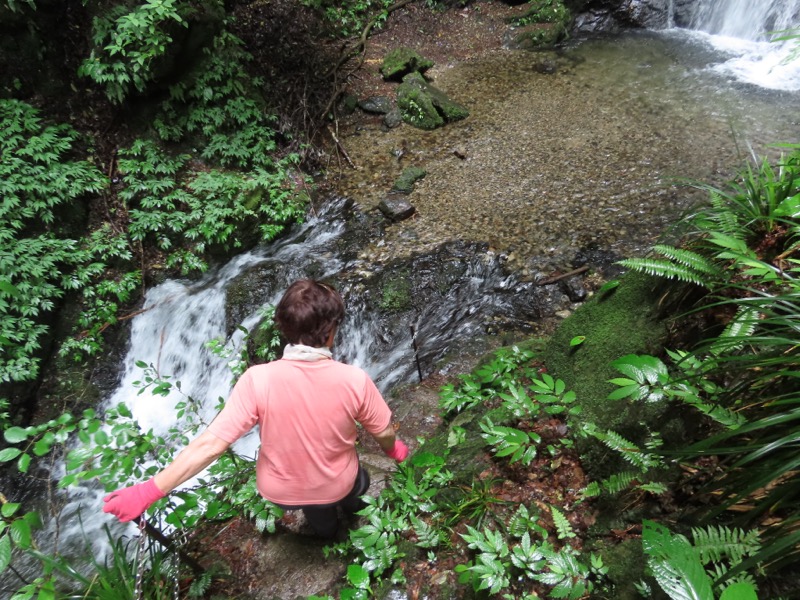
308,312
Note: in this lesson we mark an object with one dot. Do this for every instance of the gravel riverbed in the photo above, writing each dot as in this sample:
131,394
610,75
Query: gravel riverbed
589,147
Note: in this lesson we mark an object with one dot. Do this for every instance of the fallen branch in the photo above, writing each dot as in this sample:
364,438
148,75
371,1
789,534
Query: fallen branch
566,275
341,148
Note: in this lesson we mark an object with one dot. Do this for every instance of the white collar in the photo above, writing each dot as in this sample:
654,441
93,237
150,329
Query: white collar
306,353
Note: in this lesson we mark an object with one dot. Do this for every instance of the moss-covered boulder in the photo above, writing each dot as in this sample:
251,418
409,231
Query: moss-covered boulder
425,106
622,321
544,24
402,61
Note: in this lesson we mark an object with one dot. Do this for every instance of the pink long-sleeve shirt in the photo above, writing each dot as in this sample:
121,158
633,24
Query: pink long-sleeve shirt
307,414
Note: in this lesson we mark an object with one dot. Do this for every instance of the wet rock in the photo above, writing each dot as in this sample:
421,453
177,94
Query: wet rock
610,17
393,118
425,106
402,61
405,183
396,208
574,289
348,104
380,105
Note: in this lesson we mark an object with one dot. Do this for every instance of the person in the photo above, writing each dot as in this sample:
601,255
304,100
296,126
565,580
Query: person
306,405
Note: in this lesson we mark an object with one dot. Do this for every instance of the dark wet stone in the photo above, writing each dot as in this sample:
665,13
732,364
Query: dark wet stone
393,118
376,104
396,208
574,289
348,104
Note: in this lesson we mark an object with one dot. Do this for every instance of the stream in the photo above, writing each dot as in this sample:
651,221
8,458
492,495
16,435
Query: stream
576,156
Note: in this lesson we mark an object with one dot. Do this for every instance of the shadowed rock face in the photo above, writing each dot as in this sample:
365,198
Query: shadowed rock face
614,15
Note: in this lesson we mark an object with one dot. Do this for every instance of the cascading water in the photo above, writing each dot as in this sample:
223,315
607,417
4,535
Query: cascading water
180,317
742,30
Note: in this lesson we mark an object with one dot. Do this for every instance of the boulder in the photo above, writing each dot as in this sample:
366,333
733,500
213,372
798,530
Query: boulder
425,106
380,105
396,207
402,61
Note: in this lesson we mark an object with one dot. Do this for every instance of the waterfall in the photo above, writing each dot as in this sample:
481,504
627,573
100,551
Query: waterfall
745,19
743,29
179,317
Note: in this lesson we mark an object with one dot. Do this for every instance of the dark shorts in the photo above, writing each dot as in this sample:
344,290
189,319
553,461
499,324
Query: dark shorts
324,518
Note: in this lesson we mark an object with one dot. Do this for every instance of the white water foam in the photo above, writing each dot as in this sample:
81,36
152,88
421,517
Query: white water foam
743,30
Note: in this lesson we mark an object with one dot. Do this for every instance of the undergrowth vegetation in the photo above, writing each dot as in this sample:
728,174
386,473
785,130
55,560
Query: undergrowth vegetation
209,180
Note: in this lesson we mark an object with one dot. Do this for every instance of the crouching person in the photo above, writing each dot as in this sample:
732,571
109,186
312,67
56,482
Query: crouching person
307,406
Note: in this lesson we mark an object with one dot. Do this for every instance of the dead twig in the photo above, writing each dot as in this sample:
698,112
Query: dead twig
556,278
341,148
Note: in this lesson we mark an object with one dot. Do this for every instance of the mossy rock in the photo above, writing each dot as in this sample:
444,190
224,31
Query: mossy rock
625,320
405,183
425,106
538,36
402,61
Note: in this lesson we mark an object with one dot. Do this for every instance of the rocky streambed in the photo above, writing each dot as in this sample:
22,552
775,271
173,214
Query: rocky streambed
584,151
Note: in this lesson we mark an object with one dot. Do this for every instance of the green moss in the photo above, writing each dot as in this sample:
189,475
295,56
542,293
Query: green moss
626,320
405,183
623,321
626,566
424,106
396,293
402,61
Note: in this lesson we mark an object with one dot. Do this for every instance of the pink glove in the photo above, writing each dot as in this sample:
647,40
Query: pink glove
130,502
399,451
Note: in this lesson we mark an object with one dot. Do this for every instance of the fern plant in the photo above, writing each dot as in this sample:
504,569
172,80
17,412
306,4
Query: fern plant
677,263
687,571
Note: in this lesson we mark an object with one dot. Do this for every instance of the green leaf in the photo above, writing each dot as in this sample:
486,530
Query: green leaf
21,533
739,591
24,463
8,509
674,564
5,552
358,576
577,340
8,454
14,435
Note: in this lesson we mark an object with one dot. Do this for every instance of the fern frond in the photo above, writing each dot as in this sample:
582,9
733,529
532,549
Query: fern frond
563,526
742,326
630,451
725,220
690,259
619,482
716,544
664,268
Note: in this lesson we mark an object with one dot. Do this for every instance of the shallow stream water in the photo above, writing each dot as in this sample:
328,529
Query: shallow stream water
586,147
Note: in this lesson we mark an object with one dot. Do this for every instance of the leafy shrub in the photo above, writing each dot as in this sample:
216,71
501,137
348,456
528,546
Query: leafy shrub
216,108
38,259
349,18
127,42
